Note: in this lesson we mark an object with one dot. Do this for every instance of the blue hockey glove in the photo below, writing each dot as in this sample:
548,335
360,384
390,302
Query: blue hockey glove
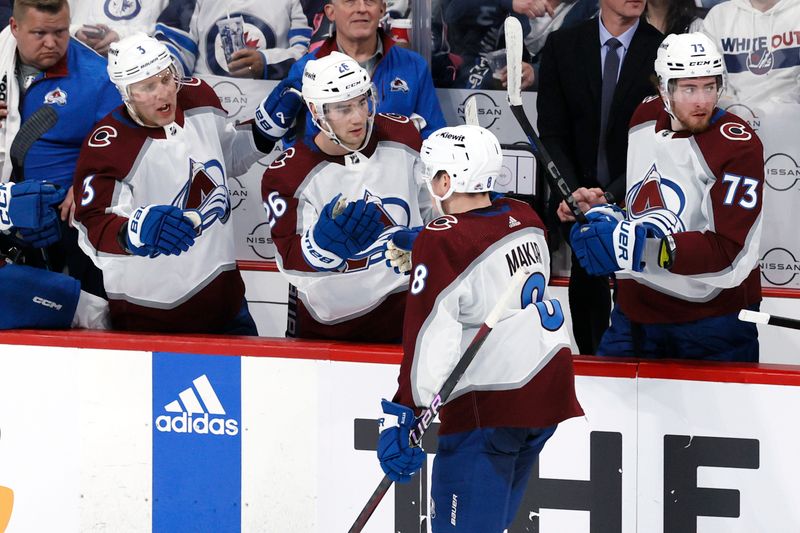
399,460
159,229
398,249
41,237
30,204
349,232
606,244
276,113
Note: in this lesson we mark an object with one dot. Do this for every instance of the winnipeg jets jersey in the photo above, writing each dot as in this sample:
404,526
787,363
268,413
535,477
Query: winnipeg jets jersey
761,49
124,166
522,376
125,17
706,189
277,28
362,299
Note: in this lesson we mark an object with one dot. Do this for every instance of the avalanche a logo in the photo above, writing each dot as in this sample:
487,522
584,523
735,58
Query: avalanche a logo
122,9
257,34
206,193
760,61
56,96
657,200
395,214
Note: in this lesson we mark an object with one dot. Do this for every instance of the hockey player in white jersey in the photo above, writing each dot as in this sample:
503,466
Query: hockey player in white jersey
685,251
268,36
329,252
520,384
154,209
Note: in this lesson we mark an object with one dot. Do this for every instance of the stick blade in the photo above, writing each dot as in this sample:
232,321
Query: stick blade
32,129
513,31
471,111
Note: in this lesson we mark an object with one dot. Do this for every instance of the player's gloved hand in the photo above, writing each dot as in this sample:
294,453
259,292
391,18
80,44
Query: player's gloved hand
30,204
399,460
398,249
159,229
276,113
41,237
348,232
606,244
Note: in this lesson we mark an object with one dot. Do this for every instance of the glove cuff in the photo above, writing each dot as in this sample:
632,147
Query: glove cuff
318,257
267,126
135,227
5,203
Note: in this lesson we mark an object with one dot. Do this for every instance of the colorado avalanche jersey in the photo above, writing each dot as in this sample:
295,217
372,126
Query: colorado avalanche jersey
278,29
522,376
761,49
362,299
706,189
125,17
124,166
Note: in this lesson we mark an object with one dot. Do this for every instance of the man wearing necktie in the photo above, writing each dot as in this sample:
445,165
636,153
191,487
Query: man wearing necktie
592,77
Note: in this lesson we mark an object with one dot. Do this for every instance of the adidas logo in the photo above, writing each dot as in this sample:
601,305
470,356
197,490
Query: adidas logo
188,405
513,222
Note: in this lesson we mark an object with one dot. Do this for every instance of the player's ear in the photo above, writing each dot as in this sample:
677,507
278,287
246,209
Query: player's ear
329,10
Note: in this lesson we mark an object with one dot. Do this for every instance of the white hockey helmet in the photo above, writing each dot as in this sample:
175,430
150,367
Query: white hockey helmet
136,58
687,55
471,155
336,78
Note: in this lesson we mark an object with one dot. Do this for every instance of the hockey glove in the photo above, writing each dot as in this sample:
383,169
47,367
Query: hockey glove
30,204
159,229
399,460
276,113
606,244
398,249
349,232
41,237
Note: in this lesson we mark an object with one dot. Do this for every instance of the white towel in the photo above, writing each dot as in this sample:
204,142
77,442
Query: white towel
10,126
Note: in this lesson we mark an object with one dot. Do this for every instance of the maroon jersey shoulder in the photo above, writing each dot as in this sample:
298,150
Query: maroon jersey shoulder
397,128
731,145
113,146
290,169
196,93
649,110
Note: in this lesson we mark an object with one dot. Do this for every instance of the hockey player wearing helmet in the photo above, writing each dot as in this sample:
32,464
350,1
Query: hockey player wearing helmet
685,251
154,208
335,200
520,384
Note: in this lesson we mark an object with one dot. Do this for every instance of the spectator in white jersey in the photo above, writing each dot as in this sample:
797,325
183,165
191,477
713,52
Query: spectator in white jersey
240,38
98,23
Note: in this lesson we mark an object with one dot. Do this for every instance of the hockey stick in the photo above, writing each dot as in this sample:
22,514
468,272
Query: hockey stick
31,131
427,417
757,317
471,112
513,31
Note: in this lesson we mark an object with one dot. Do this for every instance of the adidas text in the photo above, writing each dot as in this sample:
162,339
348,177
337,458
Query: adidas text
186,423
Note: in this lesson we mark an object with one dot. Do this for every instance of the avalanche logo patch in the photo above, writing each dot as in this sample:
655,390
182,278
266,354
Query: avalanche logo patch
56,96
760,61
657,200
398,85
206,193
257,34
122,9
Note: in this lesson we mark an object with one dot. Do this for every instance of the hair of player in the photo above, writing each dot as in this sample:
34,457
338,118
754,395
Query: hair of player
48,6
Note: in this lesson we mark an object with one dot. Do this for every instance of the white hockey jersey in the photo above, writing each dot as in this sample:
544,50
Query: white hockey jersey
462,265
363,299
277,28
125,17
705,189
761,50
187,163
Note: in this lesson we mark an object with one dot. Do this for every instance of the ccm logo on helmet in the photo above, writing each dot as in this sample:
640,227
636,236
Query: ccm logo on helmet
699,63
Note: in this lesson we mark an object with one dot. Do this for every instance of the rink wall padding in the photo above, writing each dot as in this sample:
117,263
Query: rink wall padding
136,433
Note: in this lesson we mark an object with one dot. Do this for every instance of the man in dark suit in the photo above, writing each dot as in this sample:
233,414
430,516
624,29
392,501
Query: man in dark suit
592,77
